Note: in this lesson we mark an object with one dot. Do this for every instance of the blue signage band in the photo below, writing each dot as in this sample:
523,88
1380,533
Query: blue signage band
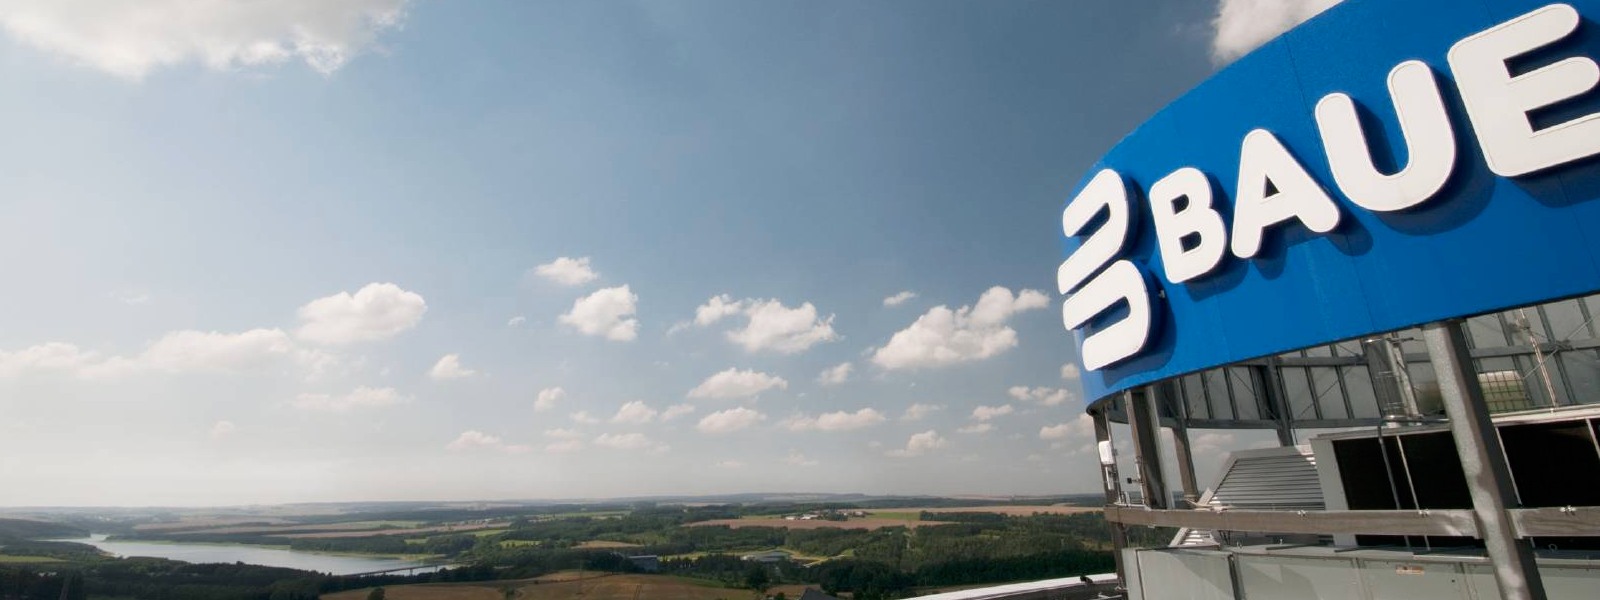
1386,164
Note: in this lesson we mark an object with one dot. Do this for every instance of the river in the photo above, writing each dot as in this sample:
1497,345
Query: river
255,555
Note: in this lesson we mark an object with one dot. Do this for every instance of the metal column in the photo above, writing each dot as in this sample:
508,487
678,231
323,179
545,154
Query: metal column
1146,427
1483,461
1167,394
1277,401
1108,480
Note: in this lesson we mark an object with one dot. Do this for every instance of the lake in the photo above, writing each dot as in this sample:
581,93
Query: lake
272,557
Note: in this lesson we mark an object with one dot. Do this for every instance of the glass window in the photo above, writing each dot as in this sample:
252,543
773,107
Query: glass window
1566,321
1244,392
1425,387
1298,387
1363,397
1330,395
1487,332
1194,395
1583,375
1217,390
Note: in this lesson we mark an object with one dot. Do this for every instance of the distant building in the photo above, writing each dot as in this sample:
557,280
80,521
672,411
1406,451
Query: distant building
648,563
770,556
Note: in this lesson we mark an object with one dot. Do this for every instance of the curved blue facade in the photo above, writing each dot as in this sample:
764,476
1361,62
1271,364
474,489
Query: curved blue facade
1483,242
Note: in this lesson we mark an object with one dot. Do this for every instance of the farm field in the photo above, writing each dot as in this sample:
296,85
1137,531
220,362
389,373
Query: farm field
566,585
1008,510
868,523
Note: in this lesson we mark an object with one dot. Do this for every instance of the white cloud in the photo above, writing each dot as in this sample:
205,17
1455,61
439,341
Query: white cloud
1069,372
1243,25
1039,395
628,441
1079,428
729,464
919,444
565,441
977,428
676,410
377,311
563,434
131,39
734,383
900,298
730,420
943,337
474,439
548,398
584,417
770,326
984,413
835,375
222,429
359,398
797,459
516,321
607,313
183,351
716,308
567,271
835,421
636,412
449,367
916,412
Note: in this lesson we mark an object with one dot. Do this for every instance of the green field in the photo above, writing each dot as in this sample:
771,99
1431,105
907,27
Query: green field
10,559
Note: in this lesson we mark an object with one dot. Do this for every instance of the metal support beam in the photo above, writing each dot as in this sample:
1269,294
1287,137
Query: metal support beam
1147,447
1482,460
1375,522
1277,400
1167,394
1113,489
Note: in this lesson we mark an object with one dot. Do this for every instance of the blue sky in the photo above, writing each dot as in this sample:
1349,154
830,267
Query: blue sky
244,243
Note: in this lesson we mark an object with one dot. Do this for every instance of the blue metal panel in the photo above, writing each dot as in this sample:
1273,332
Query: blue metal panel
1484,243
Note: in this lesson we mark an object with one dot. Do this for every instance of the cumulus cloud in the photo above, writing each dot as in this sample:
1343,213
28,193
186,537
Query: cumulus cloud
835,375
584,417
919,444
185,351
1039,395
563,441
943,337
1078,428
449,367
1069,372
676,410
900,298
548,398
770,326
1243,25
567,271
985,413
730,420
222,429
630,442
478,440
607,313
977,428
734,383
516,321
377,311
835,421
131,39
636,412
916,412
357,399
797,459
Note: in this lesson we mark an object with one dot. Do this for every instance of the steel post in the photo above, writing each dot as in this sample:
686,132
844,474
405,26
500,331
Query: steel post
1483,461
1108,480
1145,425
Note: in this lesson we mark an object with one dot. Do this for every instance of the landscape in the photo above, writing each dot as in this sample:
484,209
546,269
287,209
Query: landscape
710,548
